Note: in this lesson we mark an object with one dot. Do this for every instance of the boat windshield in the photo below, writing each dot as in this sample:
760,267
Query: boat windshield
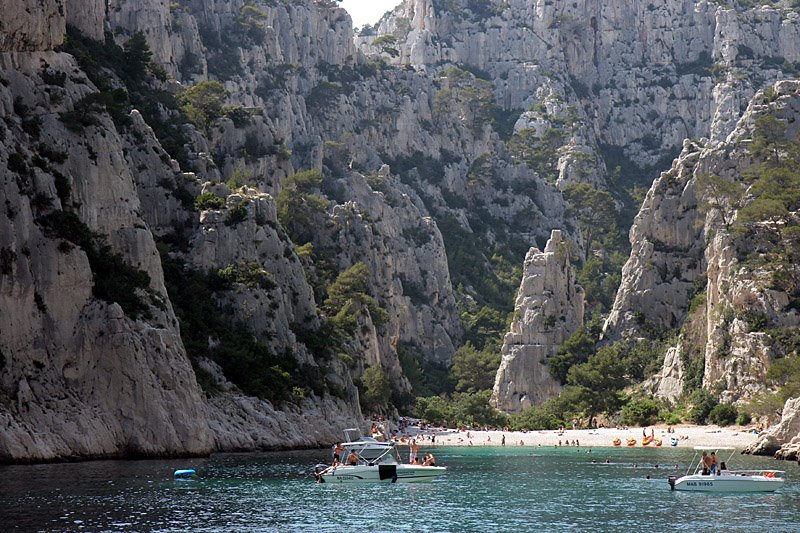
372,452
352,435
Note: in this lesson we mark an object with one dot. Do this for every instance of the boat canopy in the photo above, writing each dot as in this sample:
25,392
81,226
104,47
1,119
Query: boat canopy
352,434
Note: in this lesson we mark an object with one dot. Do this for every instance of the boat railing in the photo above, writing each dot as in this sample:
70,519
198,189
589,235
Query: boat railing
760,472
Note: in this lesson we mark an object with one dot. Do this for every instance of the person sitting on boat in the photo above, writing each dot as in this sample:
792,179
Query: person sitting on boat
430,460
352,459
712,463
416,462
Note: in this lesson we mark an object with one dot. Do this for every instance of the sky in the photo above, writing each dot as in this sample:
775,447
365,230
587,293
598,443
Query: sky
368,11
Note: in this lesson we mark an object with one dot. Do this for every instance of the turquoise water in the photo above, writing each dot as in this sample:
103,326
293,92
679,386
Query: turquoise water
485,489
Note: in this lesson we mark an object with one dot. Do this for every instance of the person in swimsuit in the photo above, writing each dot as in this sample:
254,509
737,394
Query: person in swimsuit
706,460
430,460
337,452
352,459
413,451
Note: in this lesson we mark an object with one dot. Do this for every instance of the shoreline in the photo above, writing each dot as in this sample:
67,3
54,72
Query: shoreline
688,436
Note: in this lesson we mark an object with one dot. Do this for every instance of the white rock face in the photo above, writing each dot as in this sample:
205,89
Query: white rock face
649,75
80,376
243,423
667,253
668,383
782,439
271,311
550,309
736,357
151,17
31,25
88,17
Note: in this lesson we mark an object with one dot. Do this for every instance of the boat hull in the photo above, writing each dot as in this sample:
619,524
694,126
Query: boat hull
728,483
376,474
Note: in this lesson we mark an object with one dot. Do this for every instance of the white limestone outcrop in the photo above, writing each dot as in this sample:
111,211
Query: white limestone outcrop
783,439
549,308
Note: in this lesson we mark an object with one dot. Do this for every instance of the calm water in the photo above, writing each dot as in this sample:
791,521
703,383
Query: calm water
485,489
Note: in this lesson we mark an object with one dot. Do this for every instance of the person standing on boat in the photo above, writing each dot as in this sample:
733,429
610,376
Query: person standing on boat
413,451
337,452
706,460
712,463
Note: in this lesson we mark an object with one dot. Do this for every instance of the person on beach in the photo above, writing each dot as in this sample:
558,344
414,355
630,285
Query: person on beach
413,451
503,440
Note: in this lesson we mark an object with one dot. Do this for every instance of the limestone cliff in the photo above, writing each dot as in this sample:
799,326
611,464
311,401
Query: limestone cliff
683,253
442,153
549,308
647,75
782,439
93,363
32,25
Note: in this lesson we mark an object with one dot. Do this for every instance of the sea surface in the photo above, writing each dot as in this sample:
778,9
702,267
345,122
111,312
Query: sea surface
485,489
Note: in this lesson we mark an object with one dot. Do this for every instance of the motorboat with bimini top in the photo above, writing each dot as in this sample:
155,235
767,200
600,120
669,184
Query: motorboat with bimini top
720,479
367,460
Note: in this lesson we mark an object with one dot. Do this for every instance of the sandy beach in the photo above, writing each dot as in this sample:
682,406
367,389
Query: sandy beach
688,436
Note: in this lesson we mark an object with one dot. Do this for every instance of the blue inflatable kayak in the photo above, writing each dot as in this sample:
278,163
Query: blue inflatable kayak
185,474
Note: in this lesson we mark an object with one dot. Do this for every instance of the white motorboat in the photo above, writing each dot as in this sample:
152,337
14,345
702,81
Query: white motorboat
375,462
724,480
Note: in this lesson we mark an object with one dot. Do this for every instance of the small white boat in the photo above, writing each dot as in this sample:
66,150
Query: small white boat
377,462
724,480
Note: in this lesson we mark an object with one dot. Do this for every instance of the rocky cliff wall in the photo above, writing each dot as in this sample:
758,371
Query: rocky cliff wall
644,76
783,439
681,251
549,308
82,376
32,25
314,99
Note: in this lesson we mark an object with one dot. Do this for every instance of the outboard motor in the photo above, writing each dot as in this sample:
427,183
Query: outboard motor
671,480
